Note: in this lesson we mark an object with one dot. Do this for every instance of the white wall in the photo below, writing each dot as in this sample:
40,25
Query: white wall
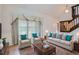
10,12
75,31
1,9
68,16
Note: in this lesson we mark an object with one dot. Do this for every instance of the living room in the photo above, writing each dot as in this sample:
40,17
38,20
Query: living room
24,25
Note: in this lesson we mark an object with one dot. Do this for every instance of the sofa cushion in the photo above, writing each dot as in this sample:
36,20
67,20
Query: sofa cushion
68,37
56,40
36,38
60,41
63,42
23,41
50,38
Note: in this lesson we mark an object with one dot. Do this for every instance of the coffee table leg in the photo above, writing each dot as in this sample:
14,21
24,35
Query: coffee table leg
55,51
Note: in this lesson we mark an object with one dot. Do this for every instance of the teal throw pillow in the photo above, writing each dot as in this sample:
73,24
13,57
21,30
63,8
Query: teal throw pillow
23,37
50,34
34,35
68,37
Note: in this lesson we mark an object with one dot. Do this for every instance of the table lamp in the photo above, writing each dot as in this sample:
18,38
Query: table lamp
78,36
46,33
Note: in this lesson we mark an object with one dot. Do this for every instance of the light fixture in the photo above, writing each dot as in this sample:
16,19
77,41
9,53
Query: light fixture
66,9
46,32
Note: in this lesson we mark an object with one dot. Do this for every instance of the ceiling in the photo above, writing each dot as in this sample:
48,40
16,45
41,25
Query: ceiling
53,10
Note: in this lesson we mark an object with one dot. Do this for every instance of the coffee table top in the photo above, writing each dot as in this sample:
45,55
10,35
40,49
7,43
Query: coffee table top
40,47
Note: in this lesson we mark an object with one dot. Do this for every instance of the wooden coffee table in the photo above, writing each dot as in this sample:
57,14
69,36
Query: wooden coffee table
38,48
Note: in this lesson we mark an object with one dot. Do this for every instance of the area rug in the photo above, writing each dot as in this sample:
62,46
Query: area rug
59,51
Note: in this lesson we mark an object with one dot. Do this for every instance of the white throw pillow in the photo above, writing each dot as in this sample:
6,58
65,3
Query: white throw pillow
75,38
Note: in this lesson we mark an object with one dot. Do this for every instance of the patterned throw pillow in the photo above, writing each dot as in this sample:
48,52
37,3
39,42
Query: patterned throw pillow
57,35
60,36
54,35
63,37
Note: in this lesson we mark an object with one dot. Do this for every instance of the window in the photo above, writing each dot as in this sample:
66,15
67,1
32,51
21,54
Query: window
22,27
29,26
34,27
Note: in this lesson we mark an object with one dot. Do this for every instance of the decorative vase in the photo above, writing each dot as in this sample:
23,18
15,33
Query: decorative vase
4,41
1,44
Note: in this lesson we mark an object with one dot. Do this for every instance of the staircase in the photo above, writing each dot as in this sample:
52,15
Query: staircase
70,25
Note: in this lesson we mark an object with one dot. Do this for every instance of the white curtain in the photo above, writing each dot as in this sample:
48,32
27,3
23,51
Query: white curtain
15,32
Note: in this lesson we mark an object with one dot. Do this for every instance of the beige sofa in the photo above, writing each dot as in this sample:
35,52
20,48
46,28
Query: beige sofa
62,43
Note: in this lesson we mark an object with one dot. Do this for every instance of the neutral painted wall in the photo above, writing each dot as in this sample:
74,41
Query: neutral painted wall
10,12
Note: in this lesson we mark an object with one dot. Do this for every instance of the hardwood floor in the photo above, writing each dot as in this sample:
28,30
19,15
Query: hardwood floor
14,50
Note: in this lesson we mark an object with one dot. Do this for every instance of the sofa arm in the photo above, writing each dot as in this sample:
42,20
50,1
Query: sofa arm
72,44
24,43
37,40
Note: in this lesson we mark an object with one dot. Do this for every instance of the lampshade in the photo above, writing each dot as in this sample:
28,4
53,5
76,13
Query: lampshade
66,9
77,34
46,31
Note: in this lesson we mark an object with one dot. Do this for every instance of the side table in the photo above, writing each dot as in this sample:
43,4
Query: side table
76,46
5,49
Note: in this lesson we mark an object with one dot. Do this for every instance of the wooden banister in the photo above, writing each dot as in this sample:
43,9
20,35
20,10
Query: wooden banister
70,25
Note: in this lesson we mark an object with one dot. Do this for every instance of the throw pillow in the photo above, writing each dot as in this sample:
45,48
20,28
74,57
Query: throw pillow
59,36
34,35
54,35
50,34
23,37
63,37
68,37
